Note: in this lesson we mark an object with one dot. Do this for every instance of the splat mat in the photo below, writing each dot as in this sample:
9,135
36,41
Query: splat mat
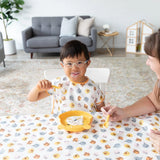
29,137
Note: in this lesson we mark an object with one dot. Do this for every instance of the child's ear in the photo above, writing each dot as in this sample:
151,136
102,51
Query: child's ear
88,63
61,63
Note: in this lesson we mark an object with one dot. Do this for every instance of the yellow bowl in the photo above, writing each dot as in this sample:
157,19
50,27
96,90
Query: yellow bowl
87,120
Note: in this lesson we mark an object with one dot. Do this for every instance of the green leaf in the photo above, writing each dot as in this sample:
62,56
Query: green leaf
8,11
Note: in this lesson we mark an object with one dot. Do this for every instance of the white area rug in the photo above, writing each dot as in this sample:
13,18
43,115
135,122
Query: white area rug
130,79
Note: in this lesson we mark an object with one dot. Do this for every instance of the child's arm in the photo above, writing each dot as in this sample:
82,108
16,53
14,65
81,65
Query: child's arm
40,91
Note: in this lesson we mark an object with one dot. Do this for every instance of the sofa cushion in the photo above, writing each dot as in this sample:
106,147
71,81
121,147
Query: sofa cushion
86,40
84,26
43,42
46,26
68,27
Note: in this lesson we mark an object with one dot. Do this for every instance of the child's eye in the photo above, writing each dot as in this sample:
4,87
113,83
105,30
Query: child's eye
79,62
69,64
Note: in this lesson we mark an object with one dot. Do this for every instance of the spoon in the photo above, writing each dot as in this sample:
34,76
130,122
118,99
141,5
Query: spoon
58,87
106,123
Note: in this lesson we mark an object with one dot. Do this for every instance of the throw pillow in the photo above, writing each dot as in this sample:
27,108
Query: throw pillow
84,26
68,27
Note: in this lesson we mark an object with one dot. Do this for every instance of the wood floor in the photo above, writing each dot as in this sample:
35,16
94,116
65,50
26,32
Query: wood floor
100,52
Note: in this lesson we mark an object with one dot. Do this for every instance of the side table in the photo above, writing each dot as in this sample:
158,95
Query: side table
105,41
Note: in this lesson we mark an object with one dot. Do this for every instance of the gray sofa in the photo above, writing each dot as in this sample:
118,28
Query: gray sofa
43,36
2,55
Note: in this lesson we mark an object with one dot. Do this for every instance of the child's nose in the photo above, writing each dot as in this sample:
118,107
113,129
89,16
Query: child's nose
74,65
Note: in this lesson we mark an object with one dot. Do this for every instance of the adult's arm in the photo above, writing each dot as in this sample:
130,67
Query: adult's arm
143,106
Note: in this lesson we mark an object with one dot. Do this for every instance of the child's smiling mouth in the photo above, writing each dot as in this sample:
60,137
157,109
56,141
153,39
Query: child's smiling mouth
74,74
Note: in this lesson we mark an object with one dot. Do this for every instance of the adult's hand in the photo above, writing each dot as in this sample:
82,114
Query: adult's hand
155,139
116,113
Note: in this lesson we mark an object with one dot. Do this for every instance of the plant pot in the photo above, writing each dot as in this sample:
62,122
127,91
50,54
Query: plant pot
9,47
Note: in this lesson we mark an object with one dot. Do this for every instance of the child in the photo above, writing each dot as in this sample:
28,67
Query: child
149,103
74,91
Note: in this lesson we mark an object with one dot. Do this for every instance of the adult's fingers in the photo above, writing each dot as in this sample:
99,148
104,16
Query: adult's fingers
112,110
105,108
155,132
157,147
105,113
155,139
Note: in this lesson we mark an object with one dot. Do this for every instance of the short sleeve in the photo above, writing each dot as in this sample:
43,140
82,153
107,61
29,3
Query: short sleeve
55,82
99,96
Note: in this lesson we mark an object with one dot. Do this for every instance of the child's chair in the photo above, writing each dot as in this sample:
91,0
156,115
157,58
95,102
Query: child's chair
98,75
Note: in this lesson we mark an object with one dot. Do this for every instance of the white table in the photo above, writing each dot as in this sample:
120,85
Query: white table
29,137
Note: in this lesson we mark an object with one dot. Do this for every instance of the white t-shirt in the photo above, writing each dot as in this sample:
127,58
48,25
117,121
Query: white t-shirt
75,96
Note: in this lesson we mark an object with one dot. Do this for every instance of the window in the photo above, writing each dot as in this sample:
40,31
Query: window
131,33
131,41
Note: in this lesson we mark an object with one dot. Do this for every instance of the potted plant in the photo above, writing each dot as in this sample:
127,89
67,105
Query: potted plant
8,9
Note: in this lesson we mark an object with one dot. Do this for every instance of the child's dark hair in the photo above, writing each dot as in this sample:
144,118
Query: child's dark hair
74,48
152,45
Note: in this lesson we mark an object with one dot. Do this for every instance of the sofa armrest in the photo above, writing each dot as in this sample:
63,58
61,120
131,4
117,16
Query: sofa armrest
26,34
93,36
93,33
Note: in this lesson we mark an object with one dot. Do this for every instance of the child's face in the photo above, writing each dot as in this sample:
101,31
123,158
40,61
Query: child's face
75,68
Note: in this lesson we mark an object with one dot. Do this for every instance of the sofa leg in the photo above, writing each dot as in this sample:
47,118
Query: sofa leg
31,55
4,63
91,54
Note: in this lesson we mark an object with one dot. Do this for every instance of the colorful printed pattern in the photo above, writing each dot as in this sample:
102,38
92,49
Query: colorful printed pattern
75,96
29,137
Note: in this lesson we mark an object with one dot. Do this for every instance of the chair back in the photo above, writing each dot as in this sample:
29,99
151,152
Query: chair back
98,75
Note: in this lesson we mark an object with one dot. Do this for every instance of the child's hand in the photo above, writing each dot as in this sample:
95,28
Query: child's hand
116,113
44,85
155,139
